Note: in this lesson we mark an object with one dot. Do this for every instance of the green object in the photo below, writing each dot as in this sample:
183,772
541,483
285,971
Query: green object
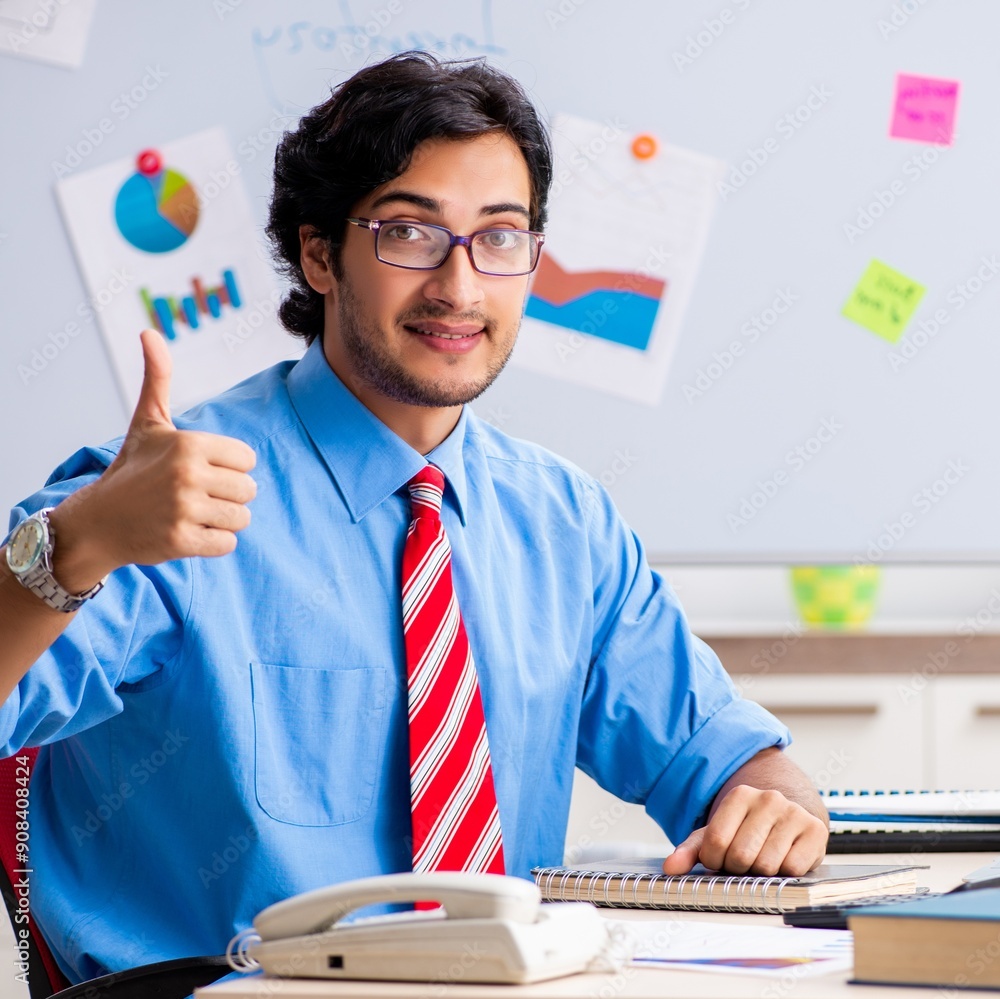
835,595
883,301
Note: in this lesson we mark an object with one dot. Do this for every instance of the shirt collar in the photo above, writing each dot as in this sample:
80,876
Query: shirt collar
367,460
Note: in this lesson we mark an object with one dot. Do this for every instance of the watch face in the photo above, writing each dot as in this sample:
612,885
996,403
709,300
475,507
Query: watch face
25,547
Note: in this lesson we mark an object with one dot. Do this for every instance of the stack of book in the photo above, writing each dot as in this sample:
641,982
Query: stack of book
930,821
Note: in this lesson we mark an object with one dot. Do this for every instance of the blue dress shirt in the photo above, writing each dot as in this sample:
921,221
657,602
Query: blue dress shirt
219,734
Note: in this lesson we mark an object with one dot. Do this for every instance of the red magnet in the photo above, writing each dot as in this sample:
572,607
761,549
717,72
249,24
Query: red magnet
149,162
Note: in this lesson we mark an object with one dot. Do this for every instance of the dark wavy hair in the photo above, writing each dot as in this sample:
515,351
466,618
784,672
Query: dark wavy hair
365,135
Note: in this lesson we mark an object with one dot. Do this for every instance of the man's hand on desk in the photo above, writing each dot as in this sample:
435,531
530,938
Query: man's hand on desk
766,819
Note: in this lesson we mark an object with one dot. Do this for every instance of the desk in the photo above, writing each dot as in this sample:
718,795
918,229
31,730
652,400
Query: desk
946,871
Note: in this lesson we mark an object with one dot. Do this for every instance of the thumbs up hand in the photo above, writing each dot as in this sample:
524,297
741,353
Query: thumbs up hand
169,494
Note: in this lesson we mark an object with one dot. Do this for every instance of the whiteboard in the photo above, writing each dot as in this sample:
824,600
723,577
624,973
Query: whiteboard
822,437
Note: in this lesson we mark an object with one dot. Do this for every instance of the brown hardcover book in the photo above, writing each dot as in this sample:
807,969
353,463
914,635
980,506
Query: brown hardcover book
951,940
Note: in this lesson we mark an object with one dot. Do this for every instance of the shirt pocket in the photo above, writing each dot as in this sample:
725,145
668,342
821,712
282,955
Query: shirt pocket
318,741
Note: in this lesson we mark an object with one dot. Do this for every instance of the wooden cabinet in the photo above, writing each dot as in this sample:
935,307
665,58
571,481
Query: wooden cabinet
850,731
865,711
912,711
964,732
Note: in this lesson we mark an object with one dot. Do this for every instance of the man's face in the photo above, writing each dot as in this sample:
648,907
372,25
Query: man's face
433,338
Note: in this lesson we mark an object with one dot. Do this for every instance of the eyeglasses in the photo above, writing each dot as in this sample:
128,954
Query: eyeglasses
420,246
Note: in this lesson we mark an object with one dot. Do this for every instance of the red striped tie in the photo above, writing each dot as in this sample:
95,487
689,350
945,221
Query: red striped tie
456,825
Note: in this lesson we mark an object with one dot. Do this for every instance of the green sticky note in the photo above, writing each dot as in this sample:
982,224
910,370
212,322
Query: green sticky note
883,301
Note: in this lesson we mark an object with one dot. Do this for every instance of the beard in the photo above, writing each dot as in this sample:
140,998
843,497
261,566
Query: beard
364,343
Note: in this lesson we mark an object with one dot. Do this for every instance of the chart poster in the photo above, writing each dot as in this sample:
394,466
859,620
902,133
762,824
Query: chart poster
628,222
166,240
46,30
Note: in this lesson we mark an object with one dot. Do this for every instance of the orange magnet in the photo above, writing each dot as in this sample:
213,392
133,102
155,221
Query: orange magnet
644,147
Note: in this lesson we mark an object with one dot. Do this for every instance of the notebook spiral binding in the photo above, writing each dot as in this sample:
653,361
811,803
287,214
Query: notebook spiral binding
851,795
735,892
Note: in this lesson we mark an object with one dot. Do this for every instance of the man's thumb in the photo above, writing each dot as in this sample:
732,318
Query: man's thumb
154,398
685,856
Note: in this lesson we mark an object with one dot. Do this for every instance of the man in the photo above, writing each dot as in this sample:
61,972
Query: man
225,724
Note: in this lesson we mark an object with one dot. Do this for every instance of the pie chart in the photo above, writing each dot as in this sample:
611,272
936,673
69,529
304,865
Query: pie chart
156,209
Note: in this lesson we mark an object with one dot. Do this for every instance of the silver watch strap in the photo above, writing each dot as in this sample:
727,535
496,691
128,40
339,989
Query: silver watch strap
43,584
46,587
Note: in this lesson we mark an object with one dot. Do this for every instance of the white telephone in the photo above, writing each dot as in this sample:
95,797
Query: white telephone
490,928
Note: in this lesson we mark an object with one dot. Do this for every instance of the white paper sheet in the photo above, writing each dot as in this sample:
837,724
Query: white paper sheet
624,242
210,268
729,948
54,32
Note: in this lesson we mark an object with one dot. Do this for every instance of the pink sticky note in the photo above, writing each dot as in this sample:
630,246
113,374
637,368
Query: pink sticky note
925,109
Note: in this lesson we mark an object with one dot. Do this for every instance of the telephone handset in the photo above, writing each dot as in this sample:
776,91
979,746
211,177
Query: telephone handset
462,895
490,928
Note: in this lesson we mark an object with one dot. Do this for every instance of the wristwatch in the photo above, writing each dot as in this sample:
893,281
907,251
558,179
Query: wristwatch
29,555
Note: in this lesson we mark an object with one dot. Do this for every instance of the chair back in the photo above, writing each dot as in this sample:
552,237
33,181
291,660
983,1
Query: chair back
37,965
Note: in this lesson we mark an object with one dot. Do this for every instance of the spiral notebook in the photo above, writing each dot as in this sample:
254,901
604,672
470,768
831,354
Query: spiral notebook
641,884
